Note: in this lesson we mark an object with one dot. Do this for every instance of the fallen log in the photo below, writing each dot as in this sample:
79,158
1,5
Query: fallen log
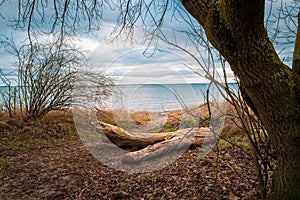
156,150
178,143
123,139
156,145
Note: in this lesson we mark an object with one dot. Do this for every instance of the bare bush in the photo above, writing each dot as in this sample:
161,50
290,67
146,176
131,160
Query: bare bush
46,73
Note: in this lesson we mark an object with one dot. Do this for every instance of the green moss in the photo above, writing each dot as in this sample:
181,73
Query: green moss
223,144
145,177
168,127
190,122
2,161
10,148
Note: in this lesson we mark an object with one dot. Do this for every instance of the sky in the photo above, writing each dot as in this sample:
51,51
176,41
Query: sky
129,61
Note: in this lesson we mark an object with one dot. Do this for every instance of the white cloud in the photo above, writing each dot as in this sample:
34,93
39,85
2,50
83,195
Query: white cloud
125,60
128,64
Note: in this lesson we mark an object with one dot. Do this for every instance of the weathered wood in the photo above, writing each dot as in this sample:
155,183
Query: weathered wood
156,150
183,140
123,139
156,145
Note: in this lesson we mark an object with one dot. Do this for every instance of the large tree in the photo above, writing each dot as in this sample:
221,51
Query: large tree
237,30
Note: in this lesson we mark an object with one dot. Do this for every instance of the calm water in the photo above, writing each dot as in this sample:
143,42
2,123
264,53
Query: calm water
157,97
161,97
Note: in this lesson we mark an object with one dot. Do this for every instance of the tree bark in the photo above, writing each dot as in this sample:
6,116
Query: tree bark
236,29
156,150
183,139
159,144
123,139
296,60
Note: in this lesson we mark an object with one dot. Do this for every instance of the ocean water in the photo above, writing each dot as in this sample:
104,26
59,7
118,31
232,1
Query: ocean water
161,97
157,97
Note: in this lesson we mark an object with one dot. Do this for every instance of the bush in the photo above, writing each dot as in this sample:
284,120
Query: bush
46,74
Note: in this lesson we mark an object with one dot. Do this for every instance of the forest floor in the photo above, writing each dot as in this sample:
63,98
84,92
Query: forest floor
46,159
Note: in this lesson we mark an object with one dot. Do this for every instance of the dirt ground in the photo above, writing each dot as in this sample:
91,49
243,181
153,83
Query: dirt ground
47,160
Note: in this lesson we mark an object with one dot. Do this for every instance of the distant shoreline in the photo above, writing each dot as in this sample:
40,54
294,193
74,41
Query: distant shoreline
154,84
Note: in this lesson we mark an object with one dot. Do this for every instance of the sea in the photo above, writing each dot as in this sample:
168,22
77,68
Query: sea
158,97
164,97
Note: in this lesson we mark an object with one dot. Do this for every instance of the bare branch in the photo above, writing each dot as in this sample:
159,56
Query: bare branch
46,77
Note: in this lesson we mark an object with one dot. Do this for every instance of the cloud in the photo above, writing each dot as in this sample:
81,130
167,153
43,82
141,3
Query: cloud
128,64
127,61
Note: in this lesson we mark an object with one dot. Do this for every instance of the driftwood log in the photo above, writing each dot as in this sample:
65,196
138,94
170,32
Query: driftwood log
179,143
159,149
123,139
156,145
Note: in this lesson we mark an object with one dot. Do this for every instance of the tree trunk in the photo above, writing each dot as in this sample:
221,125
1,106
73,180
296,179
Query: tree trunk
156,150
182,141
156,145
123,139
236,29
285,180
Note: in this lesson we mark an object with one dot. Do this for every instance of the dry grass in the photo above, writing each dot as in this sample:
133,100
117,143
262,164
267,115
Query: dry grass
173,120
45,159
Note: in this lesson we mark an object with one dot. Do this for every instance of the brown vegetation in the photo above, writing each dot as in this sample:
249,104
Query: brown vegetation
45,159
